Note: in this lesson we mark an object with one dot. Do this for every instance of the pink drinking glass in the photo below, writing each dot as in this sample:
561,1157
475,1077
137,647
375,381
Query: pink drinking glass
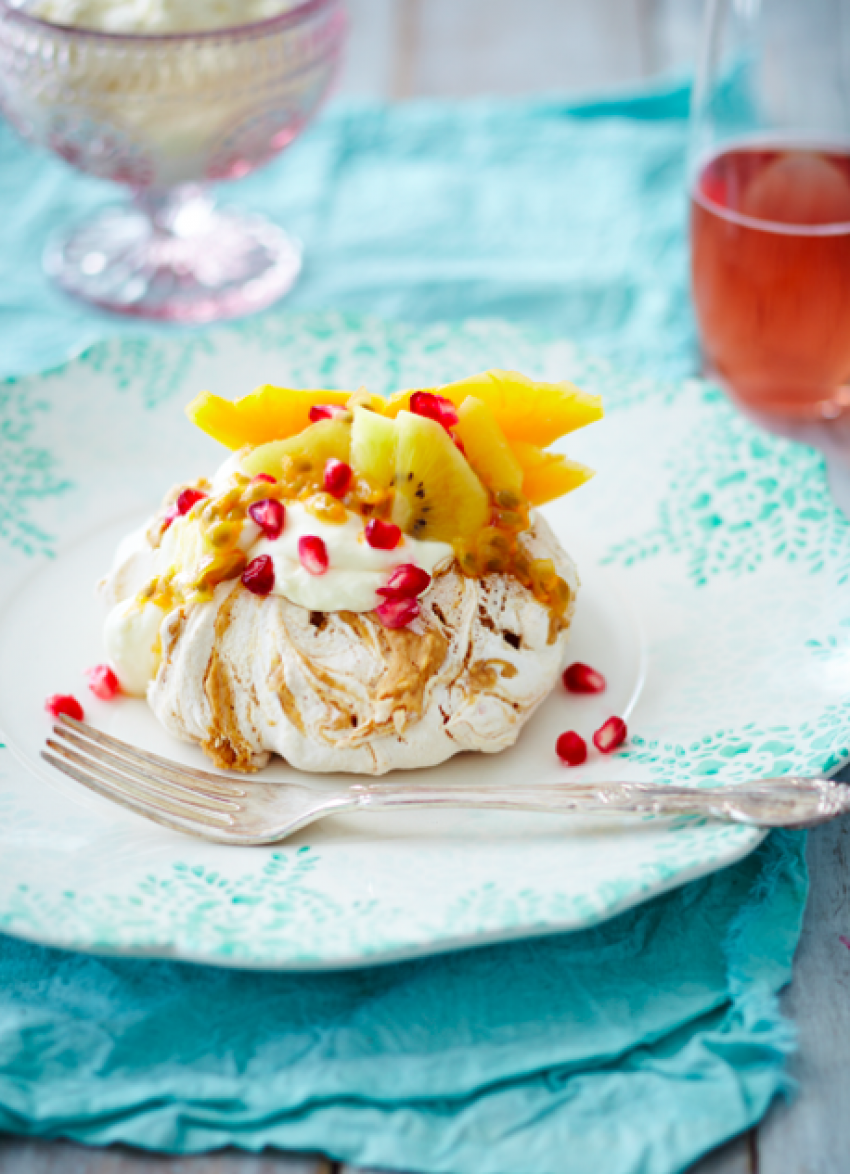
166,115
770,204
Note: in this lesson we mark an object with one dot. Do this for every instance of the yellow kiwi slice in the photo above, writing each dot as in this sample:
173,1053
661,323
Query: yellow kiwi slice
308,450
438,497
373,448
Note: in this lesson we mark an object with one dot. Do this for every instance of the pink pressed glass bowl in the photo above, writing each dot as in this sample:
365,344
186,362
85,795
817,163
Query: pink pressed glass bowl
165,115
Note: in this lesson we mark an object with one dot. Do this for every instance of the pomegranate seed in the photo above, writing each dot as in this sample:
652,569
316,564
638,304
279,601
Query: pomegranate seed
610,735
269,516
187,499
398,612
581,678
65,703
435,407
263,477
258,576
337,476
328,412
406,582
313,555
571,748
382,535
103,682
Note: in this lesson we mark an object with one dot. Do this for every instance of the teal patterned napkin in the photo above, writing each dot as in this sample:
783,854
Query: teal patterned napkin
422,212
630,1048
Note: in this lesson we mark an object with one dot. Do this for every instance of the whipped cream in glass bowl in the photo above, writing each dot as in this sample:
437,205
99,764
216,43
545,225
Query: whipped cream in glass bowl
166,97
157,16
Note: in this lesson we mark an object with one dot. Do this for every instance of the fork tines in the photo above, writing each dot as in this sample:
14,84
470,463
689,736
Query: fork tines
177,796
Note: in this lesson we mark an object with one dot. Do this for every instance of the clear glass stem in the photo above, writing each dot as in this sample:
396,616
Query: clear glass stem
173,255
177,211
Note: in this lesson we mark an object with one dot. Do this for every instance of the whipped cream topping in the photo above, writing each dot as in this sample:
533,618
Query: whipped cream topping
131,635
355,569
157,16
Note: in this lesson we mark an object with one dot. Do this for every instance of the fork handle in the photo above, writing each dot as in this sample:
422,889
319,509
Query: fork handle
788,802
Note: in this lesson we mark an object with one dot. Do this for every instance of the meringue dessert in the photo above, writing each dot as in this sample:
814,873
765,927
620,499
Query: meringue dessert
364,585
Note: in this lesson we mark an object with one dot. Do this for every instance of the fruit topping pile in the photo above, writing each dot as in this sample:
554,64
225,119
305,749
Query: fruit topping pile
460,464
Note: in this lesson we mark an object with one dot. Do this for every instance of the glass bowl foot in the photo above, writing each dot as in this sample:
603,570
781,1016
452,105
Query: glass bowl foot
175,260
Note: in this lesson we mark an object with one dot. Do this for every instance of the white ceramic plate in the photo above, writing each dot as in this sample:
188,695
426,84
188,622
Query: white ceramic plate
714,599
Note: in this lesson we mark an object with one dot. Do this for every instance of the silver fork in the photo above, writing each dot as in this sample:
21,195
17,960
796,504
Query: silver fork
226,809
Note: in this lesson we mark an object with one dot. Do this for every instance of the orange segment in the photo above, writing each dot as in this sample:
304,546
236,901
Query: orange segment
547,475
269,413
486,448
526,410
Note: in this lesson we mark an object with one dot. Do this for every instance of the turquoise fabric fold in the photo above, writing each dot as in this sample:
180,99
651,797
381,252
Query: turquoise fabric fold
630,1048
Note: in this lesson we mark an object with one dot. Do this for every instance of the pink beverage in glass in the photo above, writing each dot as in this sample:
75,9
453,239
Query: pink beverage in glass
770,248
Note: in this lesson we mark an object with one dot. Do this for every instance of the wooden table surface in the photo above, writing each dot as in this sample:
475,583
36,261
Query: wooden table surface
458,48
